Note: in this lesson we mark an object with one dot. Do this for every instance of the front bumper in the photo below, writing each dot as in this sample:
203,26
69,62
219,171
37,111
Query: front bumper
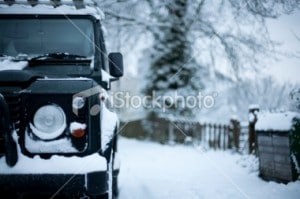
67,176
71,185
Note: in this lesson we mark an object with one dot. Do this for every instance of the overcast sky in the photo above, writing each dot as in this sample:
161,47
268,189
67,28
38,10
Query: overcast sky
283,30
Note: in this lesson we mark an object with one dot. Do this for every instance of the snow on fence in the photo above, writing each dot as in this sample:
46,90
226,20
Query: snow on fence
208,135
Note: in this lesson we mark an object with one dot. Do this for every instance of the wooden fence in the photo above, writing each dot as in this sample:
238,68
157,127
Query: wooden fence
208,135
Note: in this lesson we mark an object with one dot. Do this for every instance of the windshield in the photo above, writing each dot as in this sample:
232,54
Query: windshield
39,36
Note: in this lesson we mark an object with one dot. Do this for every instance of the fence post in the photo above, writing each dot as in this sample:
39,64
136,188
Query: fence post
219,135
224,137
204,134
252,120
209,135
229,137
199,138
170,133
236,132
215,136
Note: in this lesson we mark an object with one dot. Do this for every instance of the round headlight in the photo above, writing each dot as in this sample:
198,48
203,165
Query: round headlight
49,122
78,102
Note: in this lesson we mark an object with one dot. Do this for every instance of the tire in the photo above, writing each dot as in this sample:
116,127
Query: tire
110,177
113,179
115,173
11,153
115,190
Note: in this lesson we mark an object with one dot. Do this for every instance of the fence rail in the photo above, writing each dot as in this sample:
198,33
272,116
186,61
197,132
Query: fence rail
209,135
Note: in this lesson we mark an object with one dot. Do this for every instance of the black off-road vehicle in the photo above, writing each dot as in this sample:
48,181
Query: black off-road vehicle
57,137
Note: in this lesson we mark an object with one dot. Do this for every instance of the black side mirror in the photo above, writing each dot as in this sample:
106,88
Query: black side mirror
115,61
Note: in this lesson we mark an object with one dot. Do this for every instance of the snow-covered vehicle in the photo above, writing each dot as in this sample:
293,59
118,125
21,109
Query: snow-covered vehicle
57,136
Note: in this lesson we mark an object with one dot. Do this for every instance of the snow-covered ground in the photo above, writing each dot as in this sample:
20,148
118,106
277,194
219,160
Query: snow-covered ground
155,171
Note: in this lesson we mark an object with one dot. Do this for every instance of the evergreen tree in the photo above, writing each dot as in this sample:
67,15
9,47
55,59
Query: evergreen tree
172,65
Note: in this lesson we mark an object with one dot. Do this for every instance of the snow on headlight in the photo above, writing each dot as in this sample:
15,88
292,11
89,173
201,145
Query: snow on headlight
49,122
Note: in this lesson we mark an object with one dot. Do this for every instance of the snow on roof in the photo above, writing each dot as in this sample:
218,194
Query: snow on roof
234,117
254,106
276,121
68,9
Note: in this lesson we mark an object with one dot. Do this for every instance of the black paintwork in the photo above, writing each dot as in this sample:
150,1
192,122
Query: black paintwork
50,183
26,91
17,78
11,155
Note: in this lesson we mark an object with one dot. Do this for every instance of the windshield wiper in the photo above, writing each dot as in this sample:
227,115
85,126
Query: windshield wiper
57,58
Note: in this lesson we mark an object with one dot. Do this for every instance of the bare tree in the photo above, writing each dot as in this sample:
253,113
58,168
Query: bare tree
193,39
265,92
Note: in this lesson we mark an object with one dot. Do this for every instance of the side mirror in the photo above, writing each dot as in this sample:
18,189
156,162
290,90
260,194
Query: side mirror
115,61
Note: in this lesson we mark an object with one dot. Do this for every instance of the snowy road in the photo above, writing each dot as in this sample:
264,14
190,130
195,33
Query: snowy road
154,171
